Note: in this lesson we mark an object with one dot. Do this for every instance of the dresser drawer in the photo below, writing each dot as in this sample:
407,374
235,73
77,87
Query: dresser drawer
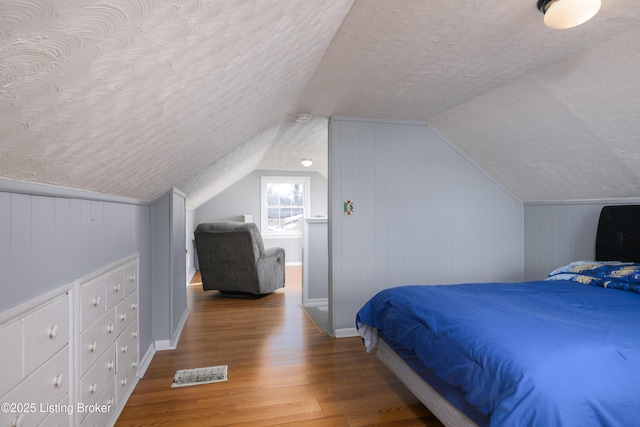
107,405
127,342
92,305
115,289
131,277
126,312
46,331
127,359
127,373
11,356
96,380
95,340
49,383
60,415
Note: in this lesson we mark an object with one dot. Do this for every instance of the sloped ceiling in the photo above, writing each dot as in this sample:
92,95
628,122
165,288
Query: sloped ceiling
133,97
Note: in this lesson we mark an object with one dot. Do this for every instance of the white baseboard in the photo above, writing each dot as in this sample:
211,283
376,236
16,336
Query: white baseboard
346,333
145,361
178,332
316,302
162,345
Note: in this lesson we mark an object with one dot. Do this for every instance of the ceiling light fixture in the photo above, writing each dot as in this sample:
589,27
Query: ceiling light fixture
563,14
306,162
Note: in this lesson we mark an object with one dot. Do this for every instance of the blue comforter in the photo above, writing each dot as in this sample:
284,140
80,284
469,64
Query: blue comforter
546,353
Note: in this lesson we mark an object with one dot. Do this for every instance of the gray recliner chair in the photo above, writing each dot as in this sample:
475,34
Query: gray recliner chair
233,259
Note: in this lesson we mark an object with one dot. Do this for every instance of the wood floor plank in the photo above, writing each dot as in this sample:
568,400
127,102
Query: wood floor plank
281,371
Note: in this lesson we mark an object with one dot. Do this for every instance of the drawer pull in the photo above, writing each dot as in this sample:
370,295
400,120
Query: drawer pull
123,316
124,348
110,366
93,347
58,380
110,329
134,306
53,332
96,301
116,288
123,382
93,388
17,421
132,278
134,364
134,334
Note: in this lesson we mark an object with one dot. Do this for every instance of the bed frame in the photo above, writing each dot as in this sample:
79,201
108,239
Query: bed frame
617,239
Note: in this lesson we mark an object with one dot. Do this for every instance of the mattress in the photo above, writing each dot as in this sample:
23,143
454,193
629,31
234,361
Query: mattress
555,352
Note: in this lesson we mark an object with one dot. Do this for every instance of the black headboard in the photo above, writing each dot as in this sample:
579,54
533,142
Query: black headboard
618,237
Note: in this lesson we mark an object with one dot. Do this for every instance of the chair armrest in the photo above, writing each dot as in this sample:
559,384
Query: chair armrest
270,268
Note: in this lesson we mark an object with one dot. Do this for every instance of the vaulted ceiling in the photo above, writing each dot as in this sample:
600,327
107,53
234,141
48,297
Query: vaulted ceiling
133,97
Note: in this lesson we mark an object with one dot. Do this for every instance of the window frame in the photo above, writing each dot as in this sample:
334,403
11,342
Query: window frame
264,208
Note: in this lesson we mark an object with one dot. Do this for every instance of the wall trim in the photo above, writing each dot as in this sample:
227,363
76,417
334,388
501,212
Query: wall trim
162,345
145,361
36,189
316,302
178,332
374,120
346,333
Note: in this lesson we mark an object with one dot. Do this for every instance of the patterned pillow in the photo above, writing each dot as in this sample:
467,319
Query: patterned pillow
607,274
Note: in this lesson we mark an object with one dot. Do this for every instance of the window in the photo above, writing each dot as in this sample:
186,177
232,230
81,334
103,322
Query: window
285,203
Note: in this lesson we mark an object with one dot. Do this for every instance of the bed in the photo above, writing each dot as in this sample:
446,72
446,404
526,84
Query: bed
564,351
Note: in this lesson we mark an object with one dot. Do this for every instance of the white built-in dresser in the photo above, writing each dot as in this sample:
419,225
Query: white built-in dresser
71,357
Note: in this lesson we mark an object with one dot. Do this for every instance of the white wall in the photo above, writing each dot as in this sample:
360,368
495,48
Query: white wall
423,214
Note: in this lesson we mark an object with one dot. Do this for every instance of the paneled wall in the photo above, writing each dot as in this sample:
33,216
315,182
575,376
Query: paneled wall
556,234
422,214
50,237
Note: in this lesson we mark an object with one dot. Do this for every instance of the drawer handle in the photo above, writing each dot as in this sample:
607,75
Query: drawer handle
93,388
58,380
17,421
93,347
123,316
111,402
134,334
96,301
124,348
134,306
124,382
110,366
53,332
134,364
110,329
116,288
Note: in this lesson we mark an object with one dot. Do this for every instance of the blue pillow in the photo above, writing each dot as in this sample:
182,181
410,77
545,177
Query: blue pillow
607,274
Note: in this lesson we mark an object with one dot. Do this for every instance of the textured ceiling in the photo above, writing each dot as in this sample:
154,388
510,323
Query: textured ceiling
133,97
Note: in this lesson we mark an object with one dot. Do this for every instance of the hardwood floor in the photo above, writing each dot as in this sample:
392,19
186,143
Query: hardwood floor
281,371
